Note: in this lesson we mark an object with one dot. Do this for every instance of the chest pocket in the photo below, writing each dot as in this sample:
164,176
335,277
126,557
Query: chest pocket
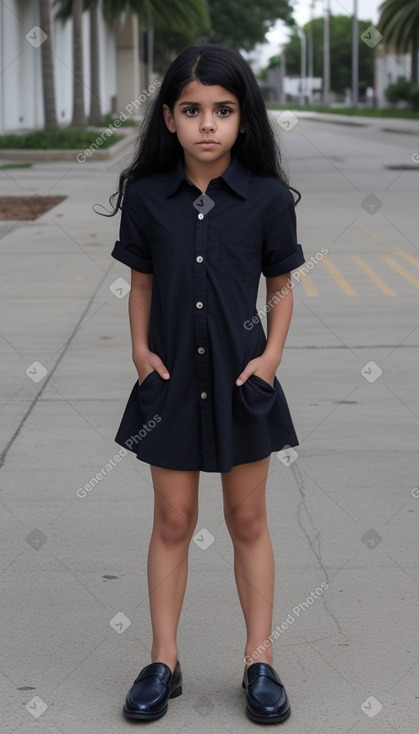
239,256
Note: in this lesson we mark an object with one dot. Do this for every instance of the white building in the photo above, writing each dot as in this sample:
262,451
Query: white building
21,102
388,68
307,90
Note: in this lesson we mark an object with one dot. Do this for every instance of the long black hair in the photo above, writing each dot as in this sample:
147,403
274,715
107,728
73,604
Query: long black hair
214,64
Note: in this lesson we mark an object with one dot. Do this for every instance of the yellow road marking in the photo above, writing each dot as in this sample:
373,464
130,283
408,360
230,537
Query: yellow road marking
395,249
400,269
411,258
338,276
379,282
309,288
375,236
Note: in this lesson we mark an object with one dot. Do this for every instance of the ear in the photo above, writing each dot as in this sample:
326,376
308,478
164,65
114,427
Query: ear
169,119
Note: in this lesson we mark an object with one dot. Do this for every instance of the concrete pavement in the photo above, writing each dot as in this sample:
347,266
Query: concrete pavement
75,617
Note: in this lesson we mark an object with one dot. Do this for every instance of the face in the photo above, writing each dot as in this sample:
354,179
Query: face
206,120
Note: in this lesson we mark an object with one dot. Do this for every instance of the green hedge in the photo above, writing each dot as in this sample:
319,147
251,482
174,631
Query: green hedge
61,138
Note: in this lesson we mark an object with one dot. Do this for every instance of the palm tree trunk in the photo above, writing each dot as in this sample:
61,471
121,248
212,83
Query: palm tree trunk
95,107
150,53
79,119
415,49
48,90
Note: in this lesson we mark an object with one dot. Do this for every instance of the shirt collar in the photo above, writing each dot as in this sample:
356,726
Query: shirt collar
236,177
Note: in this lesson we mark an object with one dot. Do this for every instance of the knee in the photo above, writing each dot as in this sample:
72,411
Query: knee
245,526
174,527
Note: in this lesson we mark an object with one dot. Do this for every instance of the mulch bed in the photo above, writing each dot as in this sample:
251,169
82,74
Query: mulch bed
27,207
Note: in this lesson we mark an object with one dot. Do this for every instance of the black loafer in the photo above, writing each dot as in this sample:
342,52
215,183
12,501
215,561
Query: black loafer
149,695
266,698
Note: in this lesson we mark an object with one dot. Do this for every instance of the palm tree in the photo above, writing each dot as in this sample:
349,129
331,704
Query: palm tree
95,108
74,9
48,89
79,118
399,24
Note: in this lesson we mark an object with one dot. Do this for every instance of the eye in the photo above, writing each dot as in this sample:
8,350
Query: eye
224,111
190,111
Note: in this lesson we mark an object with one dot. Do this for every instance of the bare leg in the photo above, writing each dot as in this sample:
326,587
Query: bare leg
175,517
254,569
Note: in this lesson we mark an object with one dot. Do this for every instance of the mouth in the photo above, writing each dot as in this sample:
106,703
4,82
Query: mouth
208,143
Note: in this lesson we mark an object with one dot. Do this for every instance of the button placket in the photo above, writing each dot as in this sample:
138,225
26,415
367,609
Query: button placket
201,341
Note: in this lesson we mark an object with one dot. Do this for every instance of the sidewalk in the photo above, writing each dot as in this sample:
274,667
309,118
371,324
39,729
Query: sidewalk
75,615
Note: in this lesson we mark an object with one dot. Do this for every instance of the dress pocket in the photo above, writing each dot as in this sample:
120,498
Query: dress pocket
263,383
239,256
151,393
257,397
148,379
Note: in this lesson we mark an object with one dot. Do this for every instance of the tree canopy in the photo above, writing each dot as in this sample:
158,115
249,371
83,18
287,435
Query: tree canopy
242,24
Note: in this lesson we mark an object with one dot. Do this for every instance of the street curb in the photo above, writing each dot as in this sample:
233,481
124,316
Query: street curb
355,121
35,156
400,132
333,119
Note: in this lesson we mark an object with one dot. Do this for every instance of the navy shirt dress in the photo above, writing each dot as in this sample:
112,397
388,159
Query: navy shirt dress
206,254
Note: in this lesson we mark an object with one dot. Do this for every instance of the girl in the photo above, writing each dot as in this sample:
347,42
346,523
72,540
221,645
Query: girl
206,209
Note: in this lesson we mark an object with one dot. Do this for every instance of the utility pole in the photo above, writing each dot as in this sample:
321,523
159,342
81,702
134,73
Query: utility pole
311,52
326,52
355,59
282,73
303,80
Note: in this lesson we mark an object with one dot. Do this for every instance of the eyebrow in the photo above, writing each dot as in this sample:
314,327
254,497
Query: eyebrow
198,104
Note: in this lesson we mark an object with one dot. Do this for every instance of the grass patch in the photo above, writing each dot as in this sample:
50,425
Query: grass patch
350,111
59,139
5,166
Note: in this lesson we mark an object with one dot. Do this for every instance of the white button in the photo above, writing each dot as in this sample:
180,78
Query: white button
199,304
200,216
203,395
201,350
199,259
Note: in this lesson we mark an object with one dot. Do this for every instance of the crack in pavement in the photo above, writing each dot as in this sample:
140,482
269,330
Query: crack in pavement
52,370
312,535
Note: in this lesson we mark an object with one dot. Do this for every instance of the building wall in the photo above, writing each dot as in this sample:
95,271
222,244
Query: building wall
21,103
388,68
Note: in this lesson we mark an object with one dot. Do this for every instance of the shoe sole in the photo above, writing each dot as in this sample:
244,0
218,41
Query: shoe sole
140,716
276,719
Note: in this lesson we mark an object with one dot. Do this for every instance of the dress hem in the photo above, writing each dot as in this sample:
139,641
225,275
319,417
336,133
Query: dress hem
213,470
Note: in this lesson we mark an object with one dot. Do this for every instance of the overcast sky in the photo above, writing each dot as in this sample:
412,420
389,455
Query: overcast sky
367,10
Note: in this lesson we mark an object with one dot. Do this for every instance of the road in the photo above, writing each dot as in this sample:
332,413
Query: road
343,510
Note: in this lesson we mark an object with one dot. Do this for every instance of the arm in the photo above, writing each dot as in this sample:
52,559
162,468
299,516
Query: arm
279,312
279,316
139,305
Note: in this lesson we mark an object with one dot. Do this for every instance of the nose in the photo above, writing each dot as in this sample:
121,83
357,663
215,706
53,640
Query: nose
207,122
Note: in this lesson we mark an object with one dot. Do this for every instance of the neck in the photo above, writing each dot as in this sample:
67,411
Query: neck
202,173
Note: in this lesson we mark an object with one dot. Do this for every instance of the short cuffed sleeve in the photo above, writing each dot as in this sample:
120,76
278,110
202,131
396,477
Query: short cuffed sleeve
281,252
133,247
